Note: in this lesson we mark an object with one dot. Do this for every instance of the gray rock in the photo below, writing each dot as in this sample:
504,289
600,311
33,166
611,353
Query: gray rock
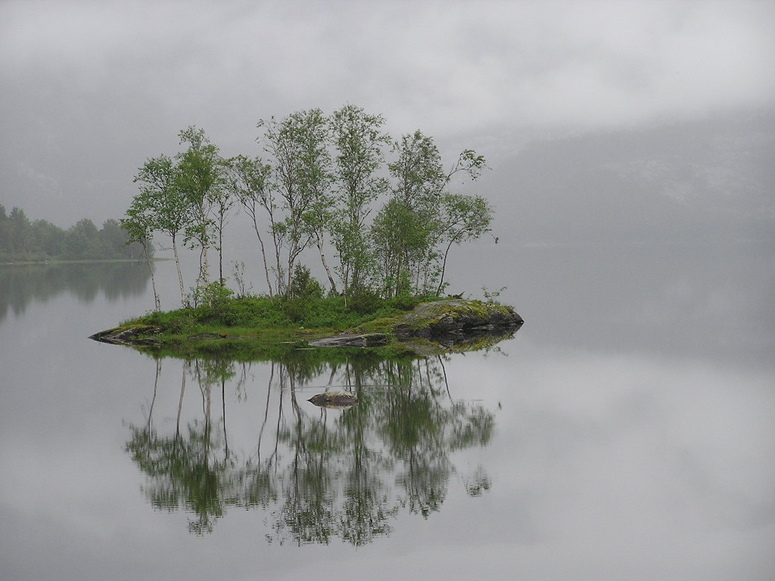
352,340
132,335
457,318
334,400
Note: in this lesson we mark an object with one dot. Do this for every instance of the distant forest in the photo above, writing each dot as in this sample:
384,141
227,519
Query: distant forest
22,239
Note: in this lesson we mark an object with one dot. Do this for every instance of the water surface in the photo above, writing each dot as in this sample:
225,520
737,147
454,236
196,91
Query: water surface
625,432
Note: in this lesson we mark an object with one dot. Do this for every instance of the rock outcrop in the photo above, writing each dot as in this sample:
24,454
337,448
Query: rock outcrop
457,319
128,335
448,324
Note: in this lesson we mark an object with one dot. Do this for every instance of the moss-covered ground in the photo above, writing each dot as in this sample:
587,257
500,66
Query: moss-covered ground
261,327
256,328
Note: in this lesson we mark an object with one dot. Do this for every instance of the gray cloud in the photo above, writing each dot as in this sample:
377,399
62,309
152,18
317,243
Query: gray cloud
89,89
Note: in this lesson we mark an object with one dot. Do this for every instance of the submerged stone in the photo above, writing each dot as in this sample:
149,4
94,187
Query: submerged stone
334,400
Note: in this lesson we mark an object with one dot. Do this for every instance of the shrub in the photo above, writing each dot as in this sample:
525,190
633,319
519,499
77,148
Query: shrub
304,285
212,295
365,301
295,309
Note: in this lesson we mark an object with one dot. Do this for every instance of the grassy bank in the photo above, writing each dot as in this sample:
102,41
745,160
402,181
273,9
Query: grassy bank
257,327
253,328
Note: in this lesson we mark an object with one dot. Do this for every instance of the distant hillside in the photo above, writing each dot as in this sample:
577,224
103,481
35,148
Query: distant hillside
700,180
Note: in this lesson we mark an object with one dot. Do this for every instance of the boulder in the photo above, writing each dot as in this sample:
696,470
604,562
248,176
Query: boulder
334,400
457,319
128,335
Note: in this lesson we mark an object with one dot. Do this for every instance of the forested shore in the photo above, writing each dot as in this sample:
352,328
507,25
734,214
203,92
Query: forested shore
25,240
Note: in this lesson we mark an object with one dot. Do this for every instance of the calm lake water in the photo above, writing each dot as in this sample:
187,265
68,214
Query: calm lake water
626,432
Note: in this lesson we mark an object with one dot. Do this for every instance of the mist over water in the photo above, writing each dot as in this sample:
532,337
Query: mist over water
629,418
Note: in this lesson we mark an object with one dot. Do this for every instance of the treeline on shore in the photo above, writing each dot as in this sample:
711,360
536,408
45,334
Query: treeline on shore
25,240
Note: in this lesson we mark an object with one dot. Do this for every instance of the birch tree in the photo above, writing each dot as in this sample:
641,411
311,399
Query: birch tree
463,218
158,188
298,146
412,225
199,179
139,225
249,181
358,141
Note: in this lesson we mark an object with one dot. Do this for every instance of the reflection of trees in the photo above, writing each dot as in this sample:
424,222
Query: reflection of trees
22,284
184,469
320,474
183,473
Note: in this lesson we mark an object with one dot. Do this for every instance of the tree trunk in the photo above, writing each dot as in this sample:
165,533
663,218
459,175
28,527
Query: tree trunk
220,254
325,265
180,271
263,253
204,267
443,270
156,301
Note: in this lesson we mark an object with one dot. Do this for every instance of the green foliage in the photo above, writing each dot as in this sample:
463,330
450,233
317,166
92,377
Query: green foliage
248,179
301,303
365,301
214,295
180,322
199,179
327,183
359,141
420,219
330,313
301,176
408,302
239,279
304,285
161,197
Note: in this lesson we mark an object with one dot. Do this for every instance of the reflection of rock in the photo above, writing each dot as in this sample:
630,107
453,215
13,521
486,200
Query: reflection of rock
352,340
334,400
128,335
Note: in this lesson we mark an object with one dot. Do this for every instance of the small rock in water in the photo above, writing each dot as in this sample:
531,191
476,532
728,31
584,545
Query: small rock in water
334,400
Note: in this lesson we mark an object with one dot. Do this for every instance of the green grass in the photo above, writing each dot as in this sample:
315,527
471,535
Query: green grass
246,315
256,327
262,328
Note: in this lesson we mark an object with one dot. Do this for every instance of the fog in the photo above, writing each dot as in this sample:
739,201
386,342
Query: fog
89,90
630,148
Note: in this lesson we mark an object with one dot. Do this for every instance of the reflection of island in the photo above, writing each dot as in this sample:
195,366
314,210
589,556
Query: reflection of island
22,284
318,473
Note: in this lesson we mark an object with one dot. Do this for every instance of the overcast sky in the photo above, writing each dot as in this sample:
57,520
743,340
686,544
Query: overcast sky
90,89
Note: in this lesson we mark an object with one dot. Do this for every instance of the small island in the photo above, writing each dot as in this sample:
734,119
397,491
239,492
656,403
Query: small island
375,212
257,328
